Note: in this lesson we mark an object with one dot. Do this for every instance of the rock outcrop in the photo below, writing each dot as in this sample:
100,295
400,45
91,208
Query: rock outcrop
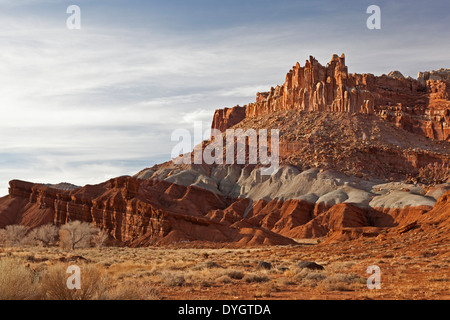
438,75
134,212
314,87
396,75
226,118
421,106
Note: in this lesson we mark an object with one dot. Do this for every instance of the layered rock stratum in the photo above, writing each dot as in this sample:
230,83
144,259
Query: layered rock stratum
360,156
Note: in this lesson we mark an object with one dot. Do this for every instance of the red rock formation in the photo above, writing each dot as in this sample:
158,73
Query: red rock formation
315,88
280,216
150,212
427,114
439,215
441,75
226,118
339,216
136,212
421,107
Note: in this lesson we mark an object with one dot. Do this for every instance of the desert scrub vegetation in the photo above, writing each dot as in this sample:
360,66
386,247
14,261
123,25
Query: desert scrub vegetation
329,280
133,290
45,235
173,279
77,234
337,276
256,277
54,284
13,235
234,274
19,281
16,281
188,273
341,282
72,235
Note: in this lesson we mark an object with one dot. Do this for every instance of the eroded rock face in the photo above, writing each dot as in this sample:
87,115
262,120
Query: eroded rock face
421,106
154,211
226,118
396,75
136,212
439,75
315,88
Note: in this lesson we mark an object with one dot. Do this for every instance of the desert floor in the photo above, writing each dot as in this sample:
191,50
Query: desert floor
197,272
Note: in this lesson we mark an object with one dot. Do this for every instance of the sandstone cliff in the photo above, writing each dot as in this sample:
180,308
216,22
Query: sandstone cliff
133,212
226,118
421,106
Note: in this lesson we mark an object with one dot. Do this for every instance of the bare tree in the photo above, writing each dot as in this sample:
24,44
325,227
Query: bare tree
13,234
77,234
100,238
45,235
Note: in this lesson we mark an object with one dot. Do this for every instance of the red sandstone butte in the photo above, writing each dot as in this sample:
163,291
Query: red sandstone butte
420,106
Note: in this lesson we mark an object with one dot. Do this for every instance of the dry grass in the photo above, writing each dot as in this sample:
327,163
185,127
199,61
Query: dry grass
173,279
133,290
256,277
20,281
234,274
341,282
224,279
16,281
94,285
166,273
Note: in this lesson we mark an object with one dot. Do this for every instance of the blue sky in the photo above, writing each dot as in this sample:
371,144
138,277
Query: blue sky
86,105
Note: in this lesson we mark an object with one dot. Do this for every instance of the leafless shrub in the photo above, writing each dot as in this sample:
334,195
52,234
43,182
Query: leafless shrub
13,235
256,277
45,235
206,265
234,274
224,279
310,278
174,280
340,282
265,290
77,234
